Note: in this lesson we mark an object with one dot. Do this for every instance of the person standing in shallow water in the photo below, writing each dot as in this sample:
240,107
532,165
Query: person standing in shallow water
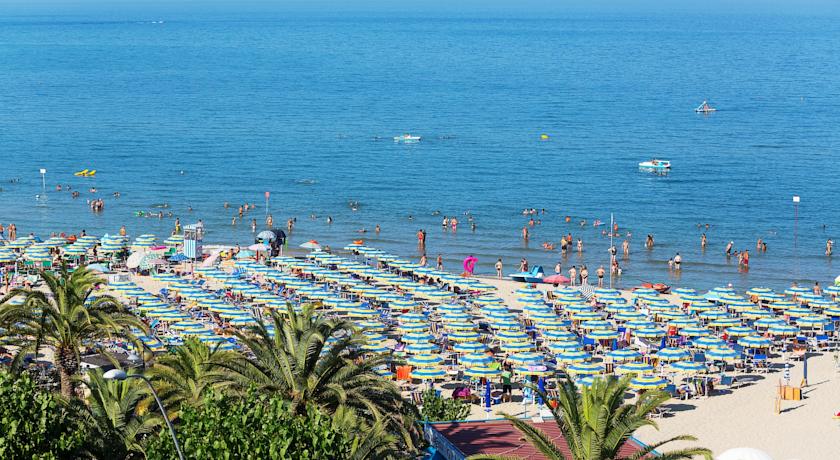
439,262
600,272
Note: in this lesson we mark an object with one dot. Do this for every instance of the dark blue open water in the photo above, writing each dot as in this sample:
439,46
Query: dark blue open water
306,108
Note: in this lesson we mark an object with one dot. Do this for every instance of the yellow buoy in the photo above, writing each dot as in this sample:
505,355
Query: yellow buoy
543,137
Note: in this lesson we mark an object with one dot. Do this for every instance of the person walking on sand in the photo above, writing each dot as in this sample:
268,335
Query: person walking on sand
573,276
600,272
499,268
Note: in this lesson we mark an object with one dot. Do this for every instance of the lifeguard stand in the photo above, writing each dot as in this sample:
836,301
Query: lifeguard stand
193,236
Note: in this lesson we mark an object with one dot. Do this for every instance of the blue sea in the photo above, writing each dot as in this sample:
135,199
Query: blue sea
196,112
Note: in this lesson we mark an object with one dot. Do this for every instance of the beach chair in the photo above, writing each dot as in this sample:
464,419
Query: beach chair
728,381
417,398
759,362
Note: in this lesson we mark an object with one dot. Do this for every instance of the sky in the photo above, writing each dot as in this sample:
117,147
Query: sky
413,7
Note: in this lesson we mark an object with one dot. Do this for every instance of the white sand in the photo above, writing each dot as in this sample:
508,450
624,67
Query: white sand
745,416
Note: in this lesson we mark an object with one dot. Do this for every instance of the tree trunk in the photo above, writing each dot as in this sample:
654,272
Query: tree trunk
68,367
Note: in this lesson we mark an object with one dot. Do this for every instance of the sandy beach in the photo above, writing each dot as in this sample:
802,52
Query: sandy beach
744,416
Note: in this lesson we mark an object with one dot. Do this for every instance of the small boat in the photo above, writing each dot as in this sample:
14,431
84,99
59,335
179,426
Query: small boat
655,165
406,138
705,108
536,275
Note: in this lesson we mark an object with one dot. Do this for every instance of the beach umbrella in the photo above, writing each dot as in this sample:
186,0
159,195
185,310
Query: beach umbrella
311,244
469,347
725,322
512,336
648,382
708,342
475,359
421,348
739,331
585,368
563,346
688,367
463,336
415,337
558,335
783,330
424,360
634,368
767,322
721,354
574,356
754,341
482,372
375,348
428,373
602,334
672,354
514,347
651,332
413,327
692,331
624,354
526,357
597,324
812,321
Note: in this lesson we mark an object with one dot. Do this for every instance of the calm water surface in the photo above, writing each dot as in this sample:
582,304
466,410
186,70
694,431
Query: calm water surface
306,107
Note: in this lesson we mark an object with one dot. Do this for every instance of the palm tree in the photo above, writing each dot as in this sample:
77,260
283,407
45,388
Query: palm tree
65,317
597,423
119,414
185,375
294,358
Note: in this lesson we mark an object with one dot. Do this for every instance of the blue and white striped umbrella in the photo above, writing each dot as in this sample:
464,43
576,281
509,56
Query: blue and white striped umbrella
424,360
469,347
624,354
634,368
688,366
482,372
722,354
428,373
583,368
648,382
422,348
709,342
572,357
475,359
812,321
650,332
754,341
783,329
525,358
672,354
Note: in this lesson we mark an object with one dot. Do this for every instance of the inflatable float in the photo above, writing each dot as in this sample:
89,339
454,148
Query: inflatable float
85,173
